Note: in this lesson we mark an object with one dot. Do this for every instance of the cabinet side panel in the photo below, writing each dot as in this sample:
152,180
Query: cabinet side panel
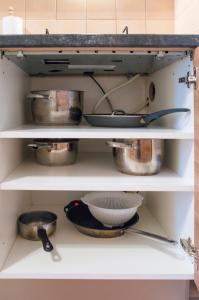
174,211
11,204
14,85
196,63
169,93
11,155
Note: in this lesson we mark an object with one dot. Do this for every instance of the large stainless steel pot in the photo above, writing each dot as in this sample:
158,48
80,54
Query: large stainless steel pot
138,156
55,152
56,107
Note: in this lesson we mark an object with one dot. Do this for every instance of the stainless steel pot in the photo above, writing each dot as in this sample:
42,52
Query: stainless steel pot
38,225
138,156
55,152
56,107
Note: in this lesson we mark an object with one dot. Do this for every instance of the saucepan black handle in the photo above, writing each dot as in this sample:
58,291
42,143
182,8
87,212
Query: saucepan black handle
48,247
158,114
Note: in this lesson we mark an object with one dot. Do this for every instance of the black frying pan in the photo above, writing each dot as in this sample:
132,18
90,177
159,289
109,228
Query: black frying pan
78,214
120,119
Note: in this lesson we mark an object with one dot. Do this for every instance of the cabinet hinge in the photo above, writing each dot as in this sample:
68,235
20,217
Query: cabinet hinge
189,79
190,249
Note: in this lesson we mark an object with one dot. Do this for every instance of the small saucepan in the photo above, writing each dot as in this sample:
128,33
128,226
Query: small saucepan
38,225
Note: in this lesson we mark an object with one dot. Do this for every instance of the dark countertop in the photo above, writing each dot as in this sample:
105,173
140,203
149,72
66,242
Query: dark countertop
107,40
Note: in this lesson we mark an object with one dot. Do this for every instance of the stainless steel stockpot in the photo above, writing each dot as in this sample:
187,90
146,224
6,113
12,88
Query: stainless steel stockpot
55,152
138,156
56,107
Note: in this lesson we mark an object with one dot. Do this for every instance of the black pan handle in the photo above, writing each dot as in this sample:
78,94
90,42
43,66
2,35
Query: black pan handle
71,205
158,114
48,247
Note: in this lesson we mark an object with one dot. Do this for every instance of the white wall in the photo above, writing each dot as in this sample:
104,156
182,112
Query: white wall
186,17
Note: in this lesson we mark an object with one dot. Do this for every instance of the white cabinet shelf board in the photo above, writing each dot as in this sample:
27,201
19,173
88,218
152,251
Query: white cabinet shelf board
92,172
77,256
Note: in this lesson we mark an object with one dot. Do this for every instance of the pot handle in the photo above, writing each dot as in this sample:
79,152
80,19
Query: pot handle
33,146
120,145
118,112
36,96
153,235
48,247
71,205
158,114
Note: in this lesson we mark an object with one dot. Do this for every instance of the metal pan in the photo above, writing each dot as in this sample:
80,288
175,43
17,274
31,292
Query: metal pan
38,225
120,119
78,214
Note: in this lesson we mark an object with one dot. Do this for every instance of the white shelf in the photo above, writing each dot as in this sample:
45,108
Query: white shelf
81,257
88,132
92,172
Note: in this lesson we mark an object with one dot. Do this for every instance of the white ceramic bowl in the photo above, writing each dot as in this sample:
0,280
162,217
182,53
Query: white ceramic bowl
112,208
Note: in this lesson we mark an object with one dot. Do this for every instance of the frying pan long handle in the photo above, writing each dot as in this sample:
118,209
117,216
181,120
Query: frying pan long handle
153,236
158,114
48,247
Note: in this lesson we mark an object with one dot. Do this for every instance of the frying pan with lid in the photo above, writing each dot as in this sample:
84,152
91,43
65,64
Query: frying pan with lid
121,119
79,215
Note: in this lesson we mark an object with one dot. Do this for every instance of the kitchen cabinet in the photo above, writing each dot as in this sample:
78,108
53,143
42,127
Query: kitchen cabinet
170,207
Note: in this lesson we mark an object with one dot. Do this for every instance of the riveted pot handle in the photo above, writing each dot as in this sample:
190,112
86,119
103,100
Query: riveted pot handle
33,146
118,112
120,145
35,96
44,146
158,114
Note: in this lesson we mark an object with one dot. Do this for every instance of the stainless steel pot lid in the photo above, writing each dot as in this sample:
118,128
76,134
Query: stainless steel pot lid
48,92
57,141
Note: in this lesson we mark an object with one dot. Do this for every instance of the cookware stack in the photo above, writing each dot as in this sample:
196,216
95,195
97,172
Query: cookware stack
105,214
89,216
56,108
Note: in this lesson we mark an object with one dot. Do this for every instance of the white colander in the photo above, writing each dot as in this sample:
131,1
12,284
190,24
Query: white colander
112,208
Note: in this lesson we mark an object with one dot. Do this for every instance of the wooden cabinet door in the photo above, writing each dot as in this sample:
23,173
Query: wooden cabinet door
196,116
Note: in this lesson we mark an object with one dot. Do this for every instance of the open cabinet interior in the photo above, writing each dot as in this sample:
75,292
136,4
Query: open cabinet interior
168,207
77,256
